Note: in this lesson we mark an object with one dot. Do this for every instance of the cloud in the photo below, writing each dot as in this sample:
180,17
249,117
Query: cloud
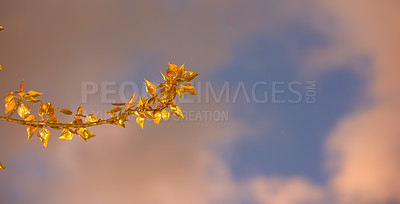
295,190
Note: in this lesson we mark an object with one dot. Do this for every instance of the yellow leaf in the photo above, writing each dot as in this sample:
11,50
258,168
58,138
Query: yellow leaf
150,88
118,104
165,114
31,99
8,97
91,118
30,130
21,86
47,109
1,28
86,134
188,88
65,111
1,166
22,94
157,117
180,71
34,93
66,134
149,114
114,109
52,119
131,100
1,68
179,92
140,121
140,102
30,118
44,135
79,111
24,111
9,106
171,70
176,111
189,75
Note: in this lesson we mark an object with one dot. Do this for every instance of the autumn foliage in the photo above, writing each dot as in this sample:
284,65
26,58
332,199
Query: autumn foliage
159,105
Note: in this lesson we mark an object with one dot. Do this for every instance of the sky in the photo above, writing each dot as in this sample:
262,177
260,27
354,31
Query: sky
297,101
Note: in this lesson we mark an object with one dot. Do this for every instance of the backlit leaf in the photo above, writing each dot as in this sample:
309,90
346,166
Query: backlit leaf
86,134
140,121
30,130
157,117
8,97
118,104
65,111
24,111
21,86
176,111
188,88
44,135
189,75
150,88
9,106
31,99
91,118
165,114
130,102
180,71
34,93
66,134
52,119
79,110
171,70
30,118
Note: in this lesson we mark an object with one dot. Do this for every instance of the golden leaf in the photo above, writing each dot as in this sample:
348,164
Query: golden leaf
31,99
66,134
152,100
30,130
1,166
157,117
1,28
189,75
86,134
171,70
130,102
79,111
22,94
149,114
176,111
9,106
44,135
24,111
65,111
140,121
115,109
30,118
118,104
121,122
47,109
1,68
165,114
52,119
34,93
91,118
180,71
21,86
140,102
8,97
188,88
179,92
150,88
